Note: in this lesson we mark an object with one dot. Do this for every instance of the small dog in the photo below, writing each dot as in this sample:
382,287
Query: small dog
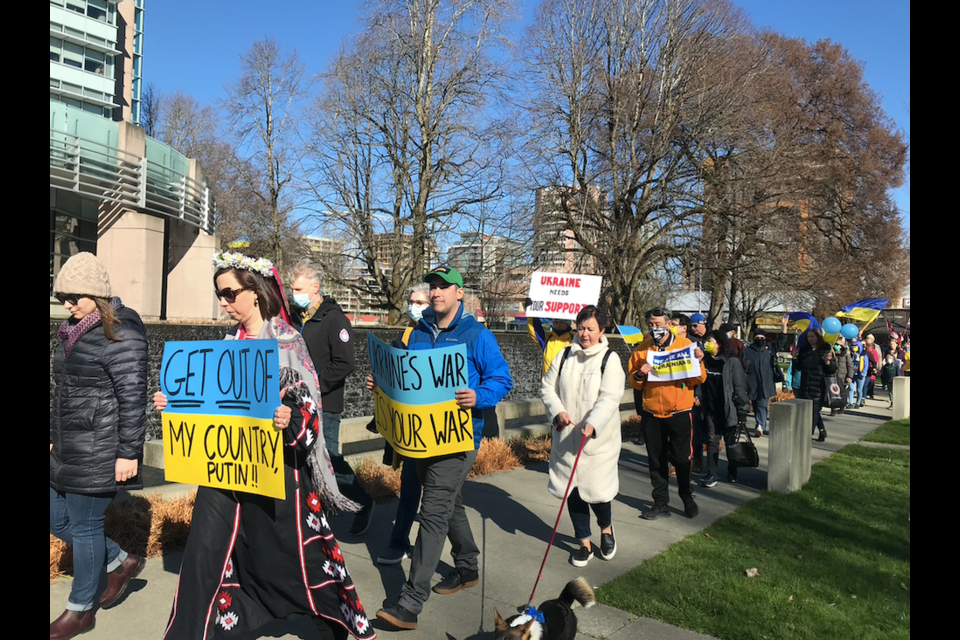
554,620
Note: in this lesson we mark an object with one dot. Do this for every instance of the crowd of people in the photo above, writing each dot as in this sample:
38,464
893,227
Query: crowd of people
250,559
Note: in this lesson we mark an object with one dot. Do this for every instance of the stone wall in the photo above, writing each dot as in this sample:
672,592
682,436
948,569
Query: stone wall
523,356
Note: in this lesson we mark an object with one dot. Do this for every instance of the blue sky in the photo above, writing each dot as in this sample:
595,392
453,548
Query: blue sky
195,45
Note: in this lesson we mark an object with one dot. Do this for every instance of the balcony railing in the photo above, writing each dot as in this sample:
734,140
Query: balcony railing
113,175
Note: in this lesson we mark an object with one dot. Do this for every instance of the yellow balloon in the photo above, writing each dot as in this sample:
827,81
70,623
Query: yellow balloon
831,337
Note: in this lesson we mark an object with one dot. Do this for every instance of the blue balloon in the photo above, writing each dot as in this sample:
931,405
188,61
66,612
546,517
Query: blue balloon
831,325
849,331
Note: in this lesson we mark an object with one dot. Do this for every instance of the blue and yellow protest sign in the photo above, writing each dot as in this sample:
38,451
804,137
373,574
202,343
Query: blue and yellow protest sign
673,365
414,402
218,425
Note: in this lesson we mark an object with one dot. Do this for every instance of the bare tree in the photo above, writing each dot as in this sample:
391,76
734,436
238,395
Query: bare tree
403,142
612,103
185,124
151,103
262,106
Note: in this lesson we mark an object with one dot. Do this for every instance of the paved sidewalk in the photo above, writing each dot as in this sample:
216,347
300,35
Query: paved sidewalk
512,515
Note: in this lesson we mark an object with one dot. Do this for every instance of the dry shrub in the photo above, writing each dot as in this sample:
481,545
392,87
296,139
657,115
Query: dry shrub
144,526
380,481
61,558
494,455
532,450
630,428
783,395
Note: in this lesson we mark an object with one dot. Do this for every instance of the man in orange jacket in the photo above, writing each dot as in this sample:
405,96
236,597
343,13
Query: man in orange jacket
667,422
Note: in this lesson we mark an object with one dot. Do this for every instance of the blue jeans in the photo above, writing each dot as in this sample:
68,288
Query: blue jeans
852,391
407,506
77,519
861,386
760,412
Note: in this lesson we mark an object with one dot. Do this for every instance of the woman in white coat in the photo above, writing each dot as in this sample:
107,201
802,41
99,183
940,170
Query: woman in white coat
582,392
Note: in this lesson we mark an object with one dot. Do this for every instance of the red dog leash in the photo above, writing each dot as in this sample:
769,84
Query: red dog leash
557,523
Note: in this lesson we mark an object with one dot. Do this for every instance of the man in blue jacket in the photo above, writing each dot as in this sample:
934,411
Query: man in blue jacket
442,515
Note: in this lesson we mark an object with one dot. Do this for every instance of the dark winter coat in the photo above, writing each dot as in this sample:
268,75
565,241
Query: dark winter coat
329,338
759,363
813,369
99,408
844,364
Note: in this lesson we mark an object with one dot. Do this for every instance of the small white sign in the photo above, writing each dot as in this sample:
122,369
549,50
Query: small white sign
562,295
673,365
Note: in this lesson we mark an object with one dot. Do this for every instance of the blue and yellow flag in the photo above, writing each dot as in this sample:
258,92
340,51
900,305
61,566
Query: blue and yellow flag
863,311
803,321
631,335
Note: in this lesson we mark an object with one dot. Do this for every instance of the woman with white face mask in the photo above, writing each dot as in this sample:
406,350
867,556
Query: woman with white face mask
399,546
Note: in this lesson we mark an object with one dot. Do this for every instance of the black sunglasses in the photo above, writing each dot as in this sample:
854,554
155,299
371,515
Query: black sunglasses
72,299
230,295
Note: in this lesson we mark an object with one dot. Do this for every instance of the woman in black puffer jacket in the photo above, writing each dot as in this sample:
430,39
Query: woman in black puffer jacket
814,361
97,427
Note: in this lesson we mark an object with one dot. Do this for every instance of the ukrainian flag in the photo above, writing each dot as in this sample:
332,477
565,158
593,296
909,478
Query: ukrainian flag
863,311
803,321
631,335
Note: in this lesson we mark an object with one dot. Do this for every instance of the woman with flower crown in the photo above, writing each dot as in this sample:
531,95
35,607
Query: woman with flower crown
251,559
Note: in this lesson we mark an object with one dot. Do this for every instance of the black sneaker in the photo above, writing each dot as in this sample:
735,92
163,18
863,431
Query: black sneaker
690,506
361,521
732,479
456,580
581,556
398,617
608,545
639,440
657,511
710,481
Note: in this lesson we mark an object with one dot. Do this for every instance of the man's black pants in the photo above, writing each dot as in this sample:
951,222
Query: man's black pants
669,441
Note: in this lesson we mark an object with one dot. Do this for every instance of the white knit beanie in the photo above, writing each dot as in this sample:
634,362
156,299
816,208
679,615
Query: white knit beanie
85,275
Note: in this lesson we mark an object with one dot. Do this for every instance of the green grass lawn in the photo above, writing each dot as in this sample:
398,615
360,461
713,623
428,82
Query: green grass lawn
892,432
833,560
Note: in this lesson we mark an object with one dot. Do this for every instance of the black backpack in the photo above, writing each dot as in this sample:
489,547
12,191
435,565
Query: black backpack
603,363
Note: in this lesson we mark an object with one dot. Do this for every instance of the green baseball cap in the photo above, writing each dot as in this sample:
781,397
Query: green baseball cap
447,274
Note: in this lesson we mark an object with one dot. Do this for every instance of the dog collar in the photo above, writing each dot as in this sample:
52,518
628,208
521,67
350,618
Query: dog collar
533,613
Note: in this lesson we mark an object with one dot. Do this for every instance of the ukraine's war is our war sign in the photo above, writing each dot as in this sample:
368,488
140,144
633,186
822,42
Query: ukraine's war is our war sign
414,401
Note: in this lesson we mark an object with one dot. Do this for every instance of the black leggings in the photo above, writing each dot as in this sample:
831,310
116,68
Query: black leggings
580,514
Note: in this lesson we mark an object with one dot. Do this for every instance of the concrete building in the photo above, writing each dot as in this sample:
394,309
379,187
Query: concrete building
137,204
554,246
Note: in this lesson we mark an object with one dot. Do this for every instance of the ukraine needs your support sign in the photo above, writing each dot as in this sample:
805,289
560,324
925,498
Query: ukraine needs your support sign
218,425
561,295
414,400
673,365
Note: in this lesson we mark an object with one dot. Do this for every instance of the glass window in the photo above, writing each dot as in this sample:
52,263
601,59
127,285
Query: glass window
138,20
77,5
55,49
55,27
72,55
74,32
92,108
72,88
97,9
94,62
137,42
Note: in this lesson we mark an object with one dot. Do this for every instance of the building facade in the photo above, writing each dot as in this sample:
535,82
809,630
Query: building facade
139,205
555,248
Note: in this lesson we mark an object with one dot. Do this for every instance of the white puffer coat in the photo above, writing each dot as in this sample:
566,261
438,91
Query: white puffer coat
587,400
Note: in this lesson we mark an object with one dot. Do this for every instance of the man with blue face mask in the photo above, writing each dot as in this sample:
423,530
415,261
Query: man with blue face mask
329,338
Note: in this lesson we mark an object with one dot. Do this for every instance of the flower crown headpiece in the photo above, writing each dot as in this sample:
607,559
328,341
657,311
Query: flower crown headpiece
239,261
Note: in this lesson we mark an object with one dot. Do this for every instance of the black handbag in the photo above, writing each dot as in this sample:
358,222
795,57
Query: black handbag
742,453
777,372
833,395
